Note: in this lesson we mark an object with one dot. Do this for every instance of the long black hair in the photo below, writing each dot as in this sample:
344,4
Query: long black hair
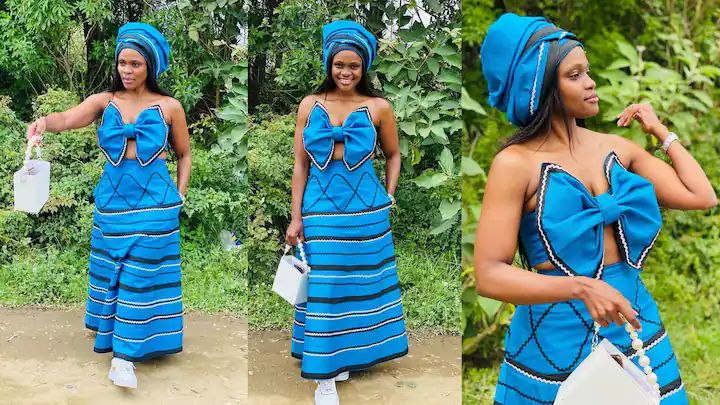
363,87
551,103
151,82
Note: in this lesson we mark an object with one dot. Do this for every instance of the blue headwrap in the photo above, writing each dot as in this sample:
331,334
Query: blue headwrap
519,57
345,35
148,41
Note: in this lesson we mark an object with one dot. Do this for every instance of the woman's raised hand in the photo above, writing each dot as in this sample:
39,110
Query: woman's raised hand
35,131
645,115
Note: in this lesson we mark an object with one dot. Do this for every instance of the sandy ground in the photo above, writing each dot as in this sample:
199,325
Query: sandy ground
430,374
46,357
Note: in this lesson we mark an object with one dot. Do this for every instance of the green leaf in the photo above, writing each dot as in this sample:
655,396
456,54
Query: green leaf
430,179
449,77
433,66
454,60
618,64
193,34
490,306
448,209
628,51
468,103
446,162
408,127
446,50
470,167
442,226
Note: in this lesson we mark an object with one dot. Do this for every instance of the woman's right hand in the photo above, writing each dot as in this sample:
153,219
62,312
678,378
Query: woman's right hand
605,303
294,232
35,131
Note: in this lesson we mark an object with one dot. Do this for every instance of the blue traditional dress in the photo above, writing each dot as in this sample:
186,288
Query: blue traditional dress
353,318
134,296
546,342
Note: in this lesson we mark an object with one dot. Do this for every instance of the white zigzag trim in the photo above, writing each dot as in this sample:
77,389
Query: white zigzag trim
355,348
537,72
676,390
351,214
534,377
351,314
347,332
349,241
651,345
150,337
314,276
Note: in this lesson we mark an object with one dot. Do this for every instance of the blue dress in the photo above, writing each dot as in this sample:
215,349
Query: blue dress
353,318
134,296
545,342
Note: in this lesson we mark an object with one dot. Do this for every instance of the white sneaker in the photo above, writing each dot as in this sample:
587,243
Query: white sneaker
344,376
122,373
326,394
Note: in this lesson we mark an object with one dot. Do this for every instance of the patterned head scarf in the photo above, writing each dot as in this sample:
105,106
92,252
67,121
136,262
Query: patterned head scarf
519,57
345,35
148,41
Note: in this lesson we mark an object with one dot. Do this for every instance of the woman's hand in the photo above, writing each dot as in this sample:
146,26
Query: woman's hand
645,115
605,303
294,232
35,131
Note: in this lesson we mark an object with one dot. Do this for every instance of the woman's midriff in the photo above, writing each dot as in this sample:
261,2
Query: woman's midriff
611,254
131,153
338,151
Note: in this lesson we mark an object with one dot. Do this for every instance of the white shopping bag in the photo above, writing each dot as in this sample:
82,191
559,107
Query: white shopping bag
601,380
291,277
31,184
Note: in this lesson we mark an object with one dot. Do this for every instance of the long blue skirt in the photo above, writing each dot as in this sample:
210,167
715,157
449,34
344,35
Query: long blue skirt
134,296
546,342
353,318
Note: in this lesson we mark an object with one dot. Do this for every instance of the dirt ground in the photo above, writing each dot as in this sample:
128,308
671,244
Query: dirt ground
430,374
46,357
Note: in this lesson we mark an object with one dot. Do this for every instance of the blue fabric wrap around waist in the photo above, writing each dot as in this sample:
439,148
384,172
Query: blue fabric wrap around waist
130,186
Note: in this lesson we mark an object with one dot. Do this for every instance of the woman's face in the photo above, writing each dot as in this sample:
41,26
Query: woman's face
132,68
576,87
346,70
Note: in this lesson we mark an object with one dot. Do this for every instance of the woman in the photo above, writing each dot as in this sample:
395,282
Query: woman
584,206
134,297
353,318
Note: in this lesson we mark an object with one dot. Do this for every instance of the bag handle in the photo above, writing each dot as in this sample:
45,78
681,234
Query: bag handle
637,344
29,149
302,253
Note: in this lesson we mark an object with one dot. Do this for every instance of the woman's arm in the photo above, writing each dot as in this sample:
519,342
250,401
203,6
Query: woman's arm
496,243
180,140
79,116
300,174
390,144
683,185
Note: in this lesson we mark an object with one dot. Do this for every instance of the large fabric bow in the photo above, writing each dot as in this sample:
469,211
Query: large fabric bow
571,220
150,132
357,133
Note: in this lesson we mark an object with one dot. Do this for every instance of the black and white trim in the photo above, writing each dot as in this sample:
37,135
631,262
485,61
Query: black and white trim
121,157
620,231
364,109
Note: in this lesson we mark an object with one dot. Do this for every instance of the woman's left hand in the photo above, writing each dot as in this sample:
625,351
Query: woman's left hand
645,115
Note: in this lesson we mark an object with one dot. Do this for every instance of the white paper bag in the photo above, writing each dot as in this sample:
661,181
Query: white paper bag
291,277
600,380
31,184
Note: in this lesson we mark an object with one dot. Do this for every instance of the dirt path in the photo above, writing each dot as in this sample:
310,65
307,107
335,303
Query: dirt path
46,357
428,375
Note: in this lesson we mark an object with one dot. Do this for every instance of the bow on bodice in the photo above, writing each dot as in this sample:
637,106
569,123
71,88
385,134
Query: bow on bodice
357,133
571,221
150,132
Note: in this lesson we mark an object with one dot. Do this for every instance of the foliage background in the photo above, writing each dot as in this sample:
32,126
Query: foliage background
54,54
418,69
640,50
